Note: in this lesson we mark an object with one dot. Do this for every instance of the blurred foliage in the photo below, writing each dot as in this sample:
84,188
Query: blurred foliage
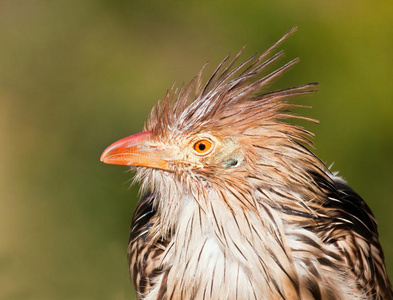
77,75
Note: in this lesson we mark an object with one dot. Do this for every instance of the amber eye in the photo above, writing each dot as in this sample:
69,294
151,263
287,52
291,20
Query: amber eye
202,146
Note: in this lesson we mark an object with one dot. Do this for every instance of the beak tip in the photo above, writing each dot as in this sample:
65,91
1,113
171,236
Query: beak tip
103,157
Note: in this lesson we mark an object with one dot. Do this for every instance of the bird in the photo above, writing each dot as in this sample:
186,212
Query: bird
234,203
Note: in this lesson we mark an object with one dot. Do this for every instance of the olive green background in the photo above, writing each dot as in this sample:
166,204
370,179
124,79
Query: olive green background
77,75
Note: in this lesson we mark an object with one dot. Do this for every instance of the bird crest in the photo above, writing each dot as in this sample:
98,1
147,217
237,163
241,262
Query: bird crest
234,98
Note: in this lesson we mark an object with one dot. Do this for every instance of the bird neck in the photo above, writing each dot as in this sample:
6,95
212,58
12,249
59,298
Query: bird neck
219,244
237,247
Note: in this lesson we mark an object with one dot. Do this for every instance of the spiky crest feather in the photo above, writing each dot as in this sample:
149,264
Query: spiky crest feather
230,98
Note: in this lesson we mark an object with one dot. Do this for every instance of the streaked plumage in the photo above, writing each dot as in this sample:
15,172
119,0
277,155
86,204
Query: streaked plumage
250,214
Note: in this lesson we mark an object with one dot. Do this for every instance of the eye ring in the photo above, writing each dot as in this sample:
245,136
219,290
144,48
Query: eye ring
202,146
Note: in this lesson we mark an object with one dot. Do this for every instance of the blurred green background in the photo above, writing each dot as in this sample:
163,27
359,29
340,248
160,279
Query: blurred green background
77,75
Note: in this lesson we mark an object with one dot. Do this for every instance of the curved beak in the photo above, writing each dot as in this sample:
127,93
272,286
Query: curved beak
135,150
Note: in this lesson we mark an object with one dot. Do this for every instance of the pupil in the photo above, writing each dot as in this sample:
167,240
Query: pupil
202,146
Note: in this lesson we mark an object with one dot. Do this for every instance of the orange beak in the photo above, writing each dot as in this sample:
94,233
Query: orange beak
135,150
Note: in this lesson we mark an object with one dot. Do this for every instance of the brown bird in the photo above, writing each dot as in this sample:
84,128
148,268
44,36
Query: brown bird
235,204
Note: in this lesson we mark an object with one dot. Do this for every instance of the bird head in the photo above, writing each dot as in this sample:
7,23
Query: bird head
228,132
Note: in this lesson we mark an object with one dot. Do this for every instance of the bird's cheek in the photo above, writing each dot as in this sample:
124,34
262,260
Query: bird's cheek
230,163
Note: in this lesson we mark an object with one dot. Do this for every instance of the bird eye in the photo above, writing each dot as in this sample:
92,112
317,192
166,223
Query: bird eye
202,146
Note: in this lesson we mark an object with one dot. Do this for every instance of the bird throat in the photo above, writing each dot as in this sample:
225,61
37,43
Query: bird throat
210,239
